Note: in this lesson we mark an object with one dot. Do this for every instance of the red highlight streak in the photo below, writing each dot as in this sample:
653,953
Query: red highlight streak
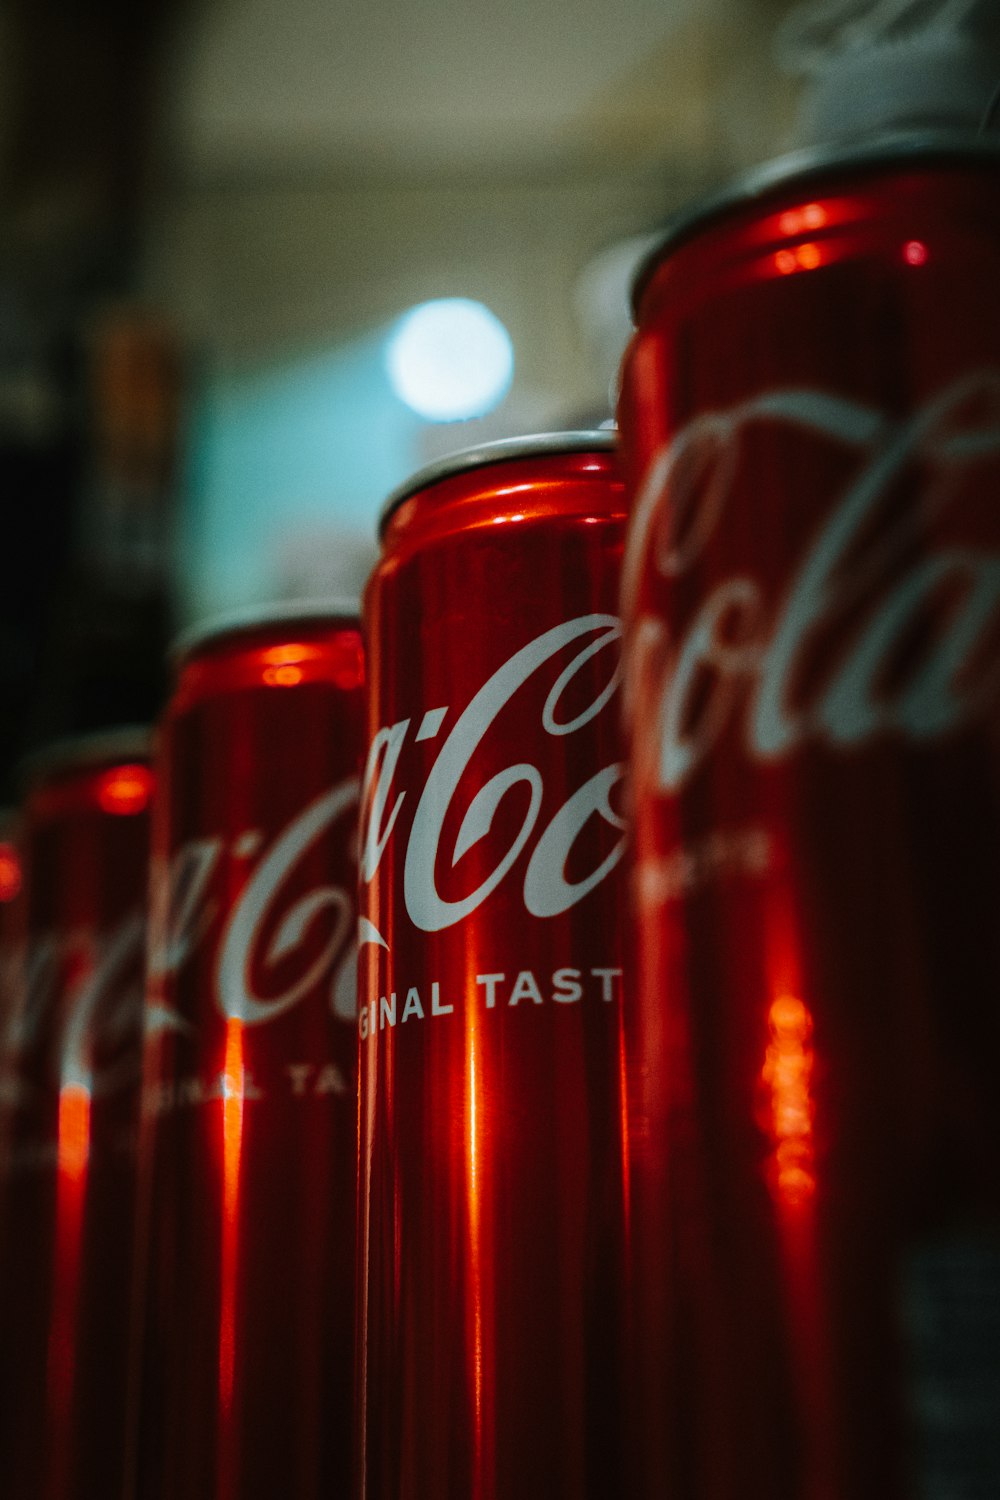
796,1127
787,1072
478,1324
475,1268
286,665
805,258
10,873
71,1194
338,660
283,676
293,654
801,220
74,1132
233,1083
126,790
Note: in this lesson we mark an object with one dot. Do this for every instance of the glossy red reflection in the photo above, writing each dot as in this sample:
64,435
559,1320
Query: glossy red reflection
126,790
797,221
71,1194
232,1150
787,1073
10,872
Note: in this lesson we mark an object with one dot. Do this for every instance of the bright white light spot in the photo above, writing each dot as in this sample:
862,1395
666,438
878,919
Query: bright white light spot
450,359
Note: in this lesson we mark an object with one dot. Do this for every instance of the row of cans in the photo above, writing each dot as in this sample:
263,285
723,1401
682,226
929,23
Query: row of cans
569,1037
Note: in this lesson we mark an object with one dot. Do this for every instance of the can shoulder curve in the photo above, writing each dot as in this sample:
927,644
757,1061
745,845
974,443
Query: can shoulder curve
599,440
760,183
258,617
83,751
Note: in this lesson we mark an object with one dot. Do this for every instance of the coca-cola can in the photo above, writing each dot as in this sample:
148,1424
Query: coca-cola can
491,981
811,435
71,1065
248,1150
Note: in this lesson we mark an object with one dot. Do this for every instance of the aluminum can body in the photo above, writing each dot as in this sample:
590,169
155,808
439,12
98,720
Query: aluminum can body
70,1097
811,432
491,982
249,1122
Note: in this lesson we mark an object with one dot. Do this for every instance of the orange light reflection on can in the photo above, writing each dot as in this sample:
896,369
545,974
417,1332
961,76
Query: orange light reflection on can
787,1072
74,1131
126,790
10,872
805,258
803,220
284,664
282,676
233,1085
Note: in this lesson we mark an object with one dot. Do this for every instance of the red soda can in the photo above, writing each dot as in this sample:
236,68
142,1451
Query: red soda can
248,1150
71,1075
491,979
811,434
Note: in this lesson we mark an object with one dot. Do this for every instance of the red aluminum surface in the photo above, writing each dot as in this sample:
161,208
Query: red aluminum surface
11,941
71,1072
248,1151
491,979
811,433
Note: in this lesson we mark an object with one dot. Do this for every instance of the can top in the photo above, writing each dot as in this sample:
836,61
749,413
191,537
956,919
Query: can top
602,440
83,752
259,617
906,148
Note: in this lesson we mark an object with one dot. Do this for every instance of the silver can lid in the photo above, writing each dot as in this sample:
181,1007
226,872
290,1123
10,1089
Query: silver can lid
541,445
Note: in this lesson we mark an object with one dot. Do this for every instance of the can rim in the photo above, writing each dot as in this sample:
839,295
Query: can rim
543,444
241,621
81,751
760,182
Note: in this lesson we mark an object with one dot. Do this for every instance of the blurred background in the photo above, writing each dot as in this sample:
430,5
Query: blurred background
222,223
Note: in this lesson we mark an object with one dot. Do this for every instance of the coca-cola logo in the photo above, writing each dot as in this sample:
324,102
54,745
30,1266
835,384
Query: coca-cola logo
862,587
77,1011
273,928
575,654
